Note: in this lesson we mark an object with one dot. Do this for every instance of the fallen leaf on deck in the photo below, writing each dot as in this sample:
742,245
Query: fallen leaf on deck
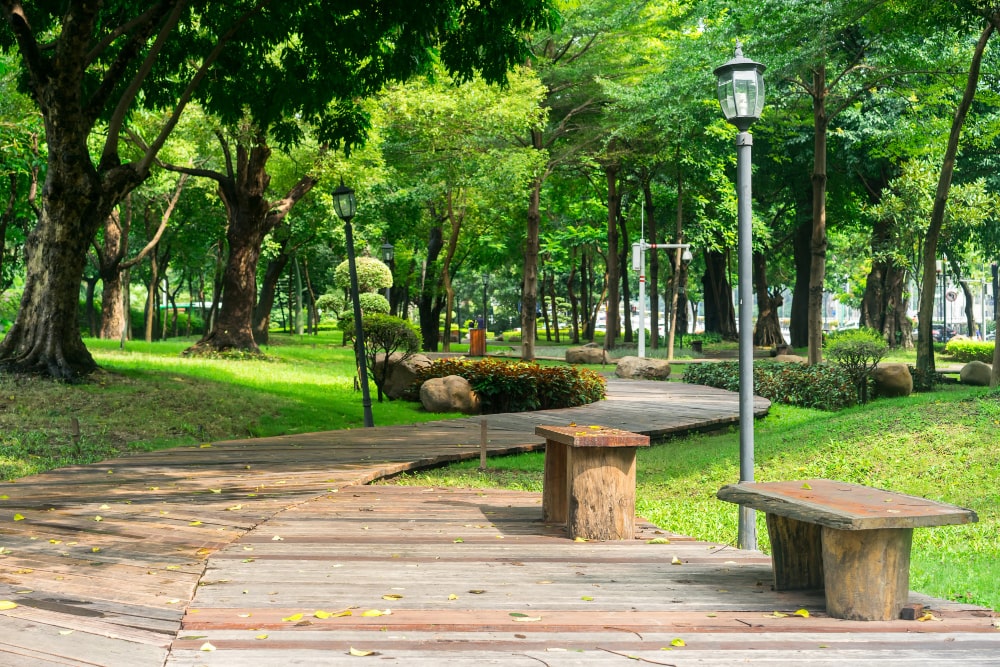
66,632
476,591
928,616
678,642
452,597
804,613
24,570
277,539
358,653
805,485
459,540
658,540
676,561
392,596
94,550
55,541
207,647
6,497
205,445
320,614
234,508
261,637
371,613
776,614
98,518
18,517
587,598
293,617
7,604
104,507
579,539
216,490
596,428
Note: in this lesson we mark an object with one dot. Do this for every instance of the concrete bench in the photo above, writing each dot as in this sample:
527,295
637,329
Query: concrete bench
589,483
852,541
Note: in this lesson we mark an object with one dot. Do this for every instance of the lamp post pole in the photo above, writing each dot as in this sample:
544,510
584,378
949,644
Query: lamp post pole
344,203
388,254
741,96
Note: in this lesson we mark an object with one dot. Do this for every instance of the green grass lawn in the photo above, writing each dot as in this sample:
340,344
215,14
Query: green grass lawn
941,445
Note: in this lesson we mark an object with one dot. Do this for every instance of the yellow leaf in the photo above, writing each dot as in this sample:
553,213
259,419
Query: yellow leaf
5,497
579,539
98,518
527,619
55,541
658,540
173,567
195,523
358,653
676,561
7,604
928,616
392,596
776,614
587,598
24,570
805,485
66,632
234,508
293,617
596,428
342,612
18,517
678,642
94,549
459,540
804,613
104,507
372,613
261,637
319,613
207,647
205,445
277,539
216,490
452,597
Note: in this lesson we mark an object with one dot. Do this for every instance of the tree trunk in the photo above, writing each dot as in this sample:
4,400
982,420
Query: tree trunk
818,242
555,306
529,289
720,315
455,218
799,325
925,343
767,332
613,321
574,306
262,311
429,306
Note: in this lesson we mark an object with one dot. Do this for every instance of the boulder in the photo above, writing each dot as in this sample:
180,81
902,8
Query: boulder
791,358
401,373
451,393
646,369
591,353
976,373
893,380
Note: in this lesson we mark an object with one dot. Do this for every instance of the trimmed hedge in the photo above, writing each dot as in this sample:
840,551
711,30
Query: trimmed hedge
970,350
821,386
516,386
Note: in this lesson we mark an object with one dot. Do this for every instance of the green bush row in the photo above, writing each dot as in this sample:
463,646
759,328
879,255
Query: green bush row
514,336
970,350
821,386
515,386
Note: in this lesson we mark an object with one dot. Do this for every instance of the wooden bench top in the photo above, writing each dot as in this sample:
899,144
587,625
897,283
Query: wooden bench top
592,436
843,505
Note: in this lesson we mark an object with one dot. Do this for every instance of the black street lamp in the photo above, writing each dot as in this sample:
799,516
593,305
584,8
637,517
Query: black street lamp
388,254
741,96
345,205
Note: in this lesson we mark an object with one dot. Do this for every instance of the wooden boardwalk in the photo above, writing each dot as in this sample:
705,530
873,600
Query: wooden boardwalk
107,562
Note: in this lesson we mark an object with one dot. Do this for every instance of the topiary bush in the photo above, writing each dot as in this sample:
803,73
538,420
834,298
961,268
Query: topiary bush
966,350
385,334
821,386
373,275
858,352
515,386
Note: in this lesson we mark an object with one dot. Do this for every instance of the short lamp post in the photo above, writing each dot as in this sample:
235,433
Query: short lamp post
639,264
388,254
345,205
741,96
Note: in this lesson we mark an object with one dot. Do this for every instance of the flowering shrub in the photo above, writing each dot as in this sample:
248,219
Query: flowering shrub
822,386
515,386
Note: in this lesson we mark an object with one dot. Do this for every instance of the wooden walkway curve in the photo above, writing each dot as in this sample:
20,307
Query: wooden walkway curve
157,558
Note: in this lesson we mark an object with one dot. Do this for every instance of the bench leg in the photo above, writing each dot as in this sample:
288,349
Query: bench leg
555,486
796,553
602,493
867,572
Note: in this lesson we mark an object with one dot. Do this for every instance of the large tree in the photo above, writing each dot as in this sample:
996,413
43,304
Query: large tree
89,65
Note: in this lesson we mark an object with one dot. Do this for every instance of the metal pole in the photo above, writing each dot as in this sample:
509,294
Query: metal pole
359,336
747,535
642,298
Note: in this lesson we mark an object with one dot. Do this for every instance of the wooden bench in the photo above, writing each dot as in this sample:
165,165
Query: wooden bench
852,541
589,483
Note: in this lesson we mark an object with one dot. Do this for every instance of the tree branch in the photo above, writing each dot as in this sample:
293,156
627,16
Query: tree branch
163,225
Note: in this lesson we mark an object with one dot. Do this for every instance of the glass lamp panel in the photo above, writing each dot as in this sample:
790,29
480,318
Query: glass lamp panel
343,203
726,95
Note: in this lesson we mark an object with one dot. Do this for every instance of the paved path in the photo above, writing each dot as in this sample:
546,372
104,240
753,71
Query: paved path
106,562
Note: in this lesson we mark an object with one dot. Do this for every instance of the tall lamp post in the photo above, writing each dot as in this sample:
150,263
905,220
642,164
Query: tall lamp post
486,314
741,96
344,204
388,254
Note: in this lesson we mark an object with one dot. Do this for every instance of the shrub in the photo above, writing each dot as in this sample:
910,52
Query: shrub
925,381
966,350
371,304
858,352
372,275
385,334
505,386
821,386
